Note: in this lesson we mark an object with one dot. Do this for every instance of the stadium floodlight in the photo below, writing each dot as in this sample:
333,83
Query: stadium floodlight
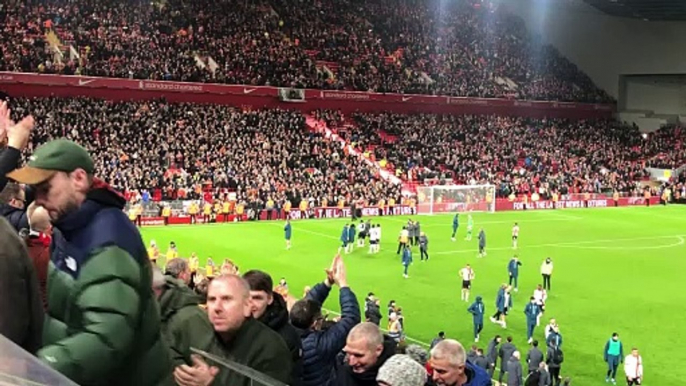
437,199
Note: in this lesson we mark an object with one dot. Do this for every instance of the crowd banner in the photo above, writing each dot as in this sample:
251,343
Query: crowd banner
34,85
402,210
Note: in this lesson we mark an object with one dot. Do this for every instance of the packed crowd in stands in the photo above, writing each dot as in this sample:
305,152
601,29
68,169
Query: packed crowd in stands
465,48
518,155
187,148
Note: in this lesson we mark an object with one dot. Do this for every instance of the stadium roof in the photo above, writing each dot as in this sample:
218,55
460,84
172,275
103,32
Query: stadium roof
649,10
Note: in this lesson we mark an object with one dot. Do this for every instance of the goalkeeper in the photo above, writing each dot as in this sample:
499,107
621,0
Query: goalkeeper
470,227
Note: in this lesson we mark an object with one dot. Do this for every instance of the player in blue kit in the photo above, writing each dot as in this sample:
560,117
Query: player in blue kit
456,224
287,232
344,239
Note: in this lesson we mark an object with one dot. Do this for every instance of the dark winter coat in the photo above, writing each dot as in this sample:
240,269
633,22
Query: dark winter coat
181,318
276,318
492,352
505,352
534,358
21,308
373,313
320,348
346,377
16,217
514,372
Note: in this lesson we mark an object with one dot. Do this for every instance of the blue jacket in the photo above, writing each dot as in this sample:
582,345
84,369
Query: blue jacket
477,309
287,231
351,233
554,336
344,235
479,376
16,217
531,311
320,348
513,267
407,256
500,301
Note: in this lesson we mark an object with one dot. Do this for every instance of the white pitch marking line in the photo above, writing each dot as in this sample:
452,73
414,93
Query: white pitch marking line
577,243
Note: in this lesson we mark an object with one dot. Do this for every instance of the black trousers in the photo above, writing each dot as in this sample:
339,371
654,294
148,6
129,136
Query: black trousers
555,376
400,247
423,253
546,282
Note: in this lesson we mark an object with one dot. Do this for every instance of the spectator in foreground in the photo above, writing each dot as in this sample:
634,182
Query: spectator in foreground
366,350
450,368
103,322
238,337
401,370
269,307
320,347
21,311
13,140
182,319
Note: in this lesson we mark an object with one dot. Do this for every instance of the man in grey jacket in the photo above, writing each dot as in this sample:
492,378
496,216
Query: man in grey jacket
505,352
534,357
424,246
514,370
492,354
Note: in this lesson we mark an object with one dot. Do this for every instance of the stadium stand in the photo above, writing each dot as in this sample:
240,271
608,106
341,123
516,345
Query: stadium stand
182,150
402,47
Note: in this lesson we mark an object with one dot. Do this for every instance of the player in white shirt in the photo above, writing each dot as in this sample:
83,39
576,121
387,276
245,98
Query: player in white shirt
374,238
467,275
515,235
540,296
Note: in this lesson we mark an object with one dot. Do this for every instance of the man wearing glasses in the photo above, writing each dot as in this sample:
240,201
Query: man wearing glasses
451,368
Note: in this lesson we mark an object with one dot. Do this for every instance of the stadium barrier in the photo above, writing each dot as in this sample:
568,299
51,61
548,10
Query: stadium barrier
34,85
505,205
403,210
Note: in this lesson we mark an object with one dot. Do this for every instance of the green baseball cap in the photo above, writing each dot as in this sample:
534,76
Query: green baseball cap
60,155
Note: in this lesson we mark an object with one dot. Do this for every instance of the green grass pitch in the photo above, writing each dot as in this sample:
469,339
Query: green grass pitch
616,269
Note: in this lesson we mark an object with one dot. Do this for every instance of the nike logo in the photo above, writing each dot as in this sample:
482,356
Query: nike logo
85,82
248,90
405,99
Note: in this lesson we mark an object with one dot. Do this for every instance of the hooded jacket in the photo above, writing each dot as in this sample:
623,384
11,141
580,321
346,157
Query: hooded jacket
477,309
103,324
181,317
345,376
276,318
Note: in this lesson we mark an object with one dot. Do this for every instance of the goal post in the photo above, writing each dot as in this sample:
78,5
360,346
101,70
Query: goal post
437,199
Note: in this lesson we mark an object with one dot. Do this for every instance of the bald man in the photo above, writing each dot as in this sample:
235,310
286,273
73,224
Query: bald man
366,349
38,245
238,338
451,368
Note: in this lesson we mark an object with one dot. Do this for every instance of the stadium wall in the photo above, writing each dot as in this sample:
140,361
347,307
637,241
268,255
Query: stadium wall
603,46
656,95
35,85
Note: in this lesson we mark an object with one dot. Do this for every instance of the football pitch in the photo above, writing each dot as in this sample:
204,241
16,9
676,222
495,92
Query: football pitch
616,270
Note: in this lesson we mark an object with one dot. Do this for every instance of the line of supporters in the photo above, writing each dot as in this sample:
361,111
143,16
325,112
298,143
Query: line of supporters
222,208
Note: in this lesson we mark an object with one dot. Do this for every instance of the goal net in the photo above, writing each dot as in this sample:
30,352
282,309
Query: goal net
438,199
